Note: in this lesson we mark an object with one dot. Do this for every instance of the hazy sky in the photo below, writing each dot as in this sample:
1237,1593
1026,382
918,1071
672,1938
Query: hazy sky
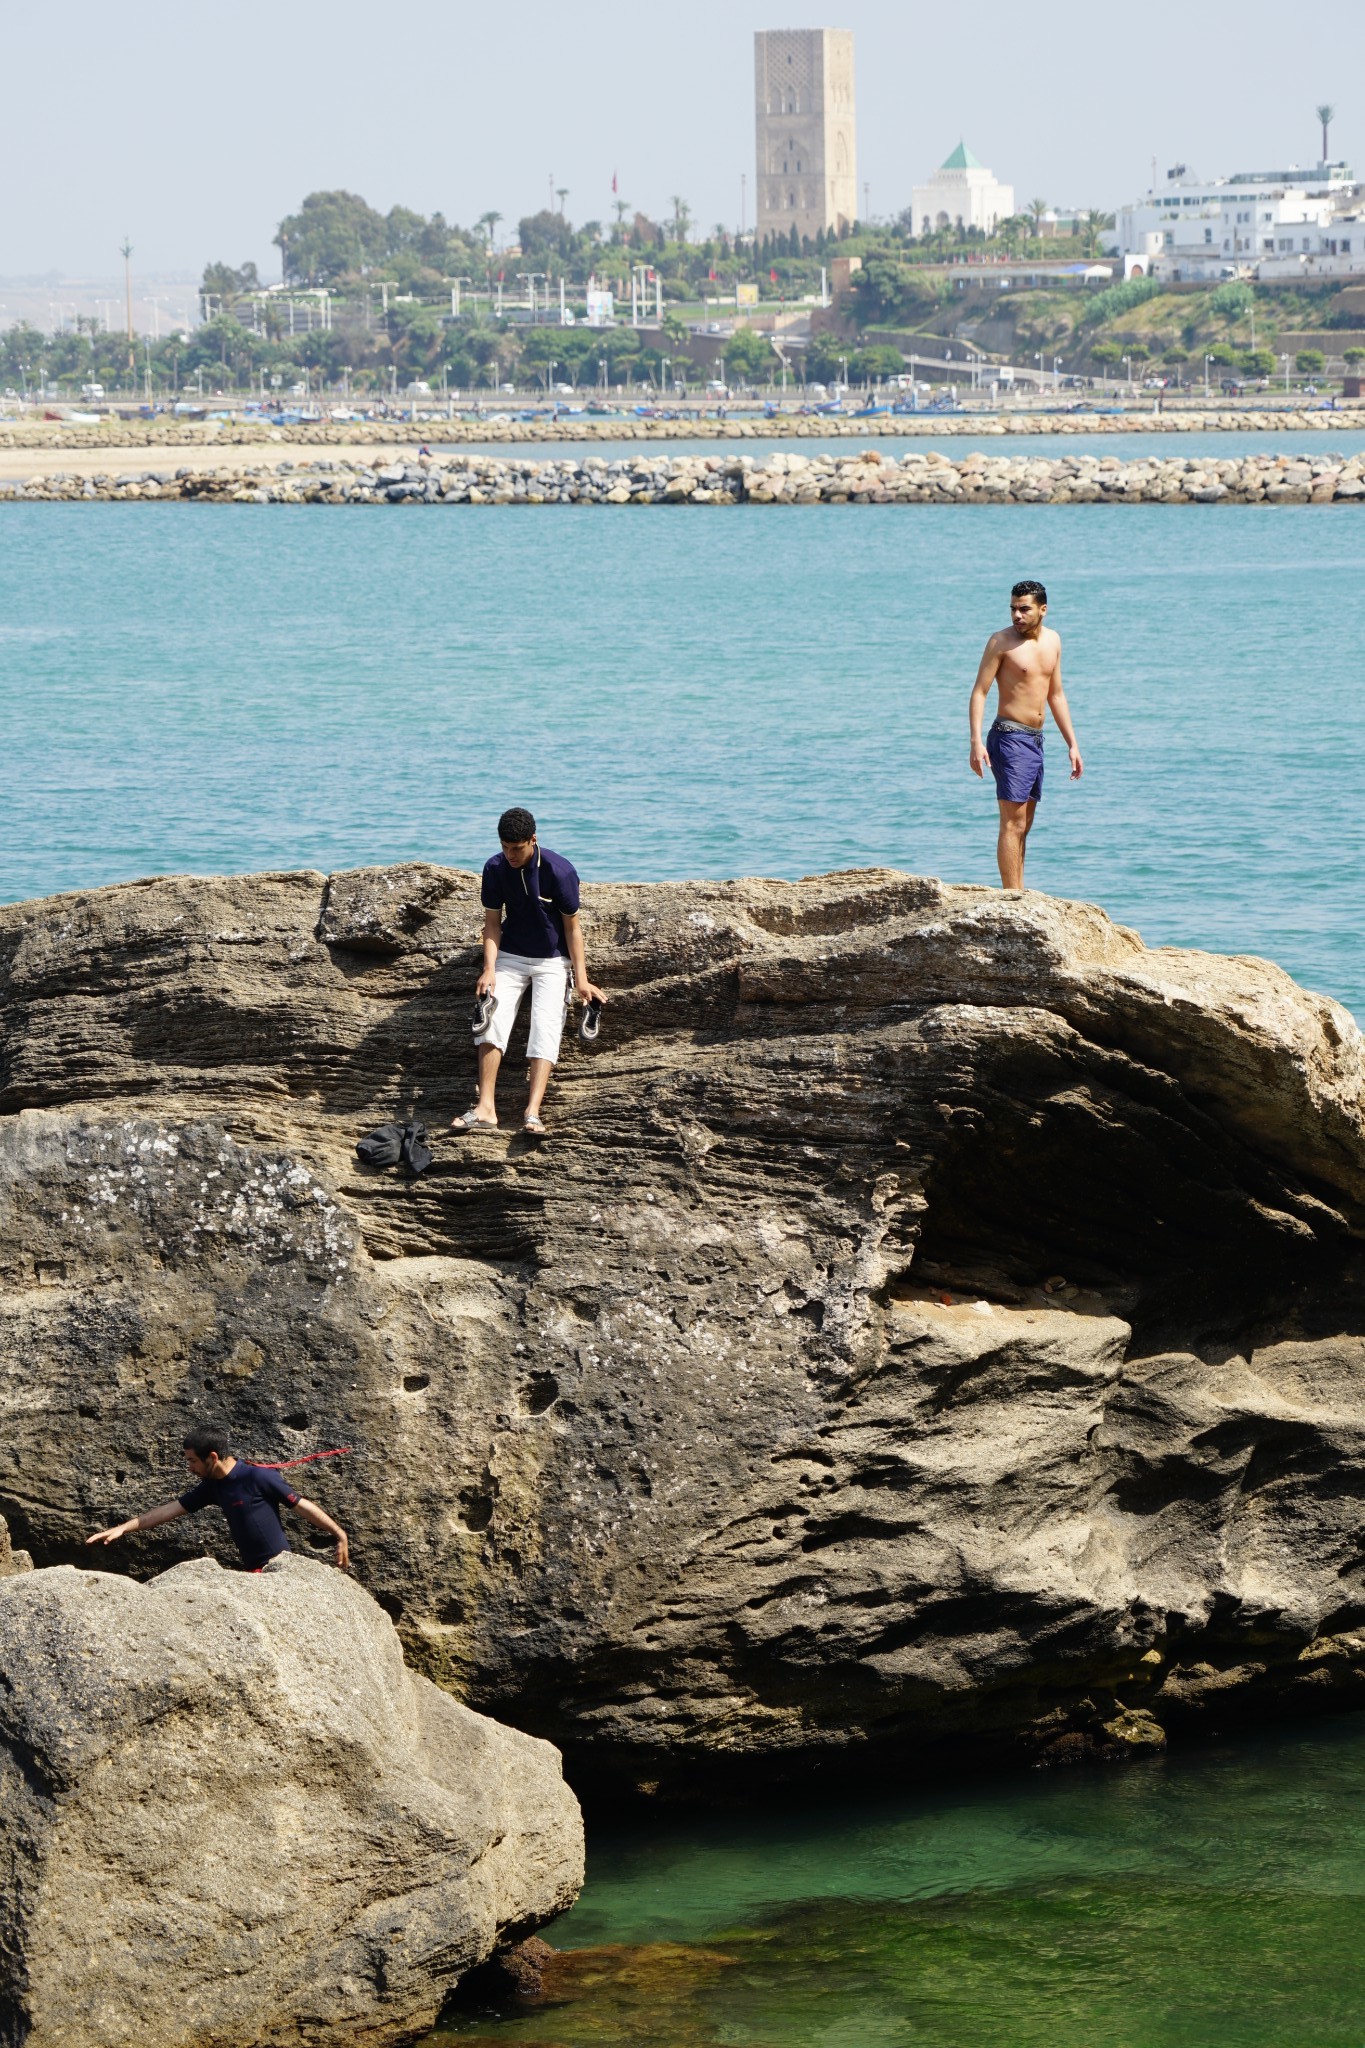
194,129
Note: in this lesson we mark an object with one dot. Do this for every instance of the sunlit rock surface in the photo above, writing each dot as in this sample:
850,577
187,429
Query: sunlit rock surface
229,1816
935,1321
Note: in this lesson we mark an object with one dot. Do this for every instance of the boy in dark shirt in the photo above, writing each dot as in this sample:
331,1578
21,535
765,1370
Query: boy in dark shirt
531,939
250,1497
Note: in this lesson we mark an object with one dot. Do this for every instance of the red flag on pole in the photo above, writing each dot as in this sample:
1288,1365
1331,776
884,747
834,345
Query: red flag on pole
710,276
772,276
614,186
501,275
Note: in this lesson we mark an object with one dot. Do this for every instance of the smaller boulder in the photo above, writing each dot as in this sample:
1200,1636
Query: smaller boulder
231,1816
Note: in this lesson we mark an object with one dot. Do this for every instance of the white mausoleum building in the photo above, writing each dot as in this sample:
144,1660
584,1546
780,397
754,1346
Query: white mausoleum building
961,194
1270,224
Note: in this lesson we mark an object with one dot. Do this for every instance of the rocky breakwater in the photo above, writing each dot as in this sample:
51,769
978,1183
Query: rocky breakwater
224,431
870,477
936,1325
229,1815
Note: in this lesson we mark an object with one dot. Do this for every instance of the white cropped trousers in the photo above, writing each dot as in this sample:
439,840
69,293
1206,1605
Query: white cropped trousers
548,981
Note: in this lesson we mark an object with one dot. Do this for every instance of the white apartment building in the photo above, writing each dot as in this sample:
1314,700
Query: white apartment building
1259,223
961,194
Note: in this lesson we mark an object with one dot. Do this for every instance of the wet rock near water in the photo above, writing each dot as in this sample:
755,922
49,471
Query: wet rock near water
229,1815
870,477
935,1325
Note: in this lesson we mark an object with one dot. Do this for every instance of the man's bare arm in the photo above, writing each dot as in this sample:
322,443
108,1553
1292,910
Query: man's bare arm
578,960
492,932
976,710
1061,711
320,1519
169,1511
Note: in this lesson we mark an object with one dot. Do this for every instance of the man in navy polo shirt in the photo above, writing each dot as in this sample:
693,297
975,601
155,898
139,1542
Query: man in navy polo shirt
250,1497
531,939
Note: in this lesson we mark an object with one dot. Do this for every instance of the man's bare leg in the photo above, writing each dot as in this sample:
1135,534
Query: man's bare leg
1015,821
490,1059
538,1074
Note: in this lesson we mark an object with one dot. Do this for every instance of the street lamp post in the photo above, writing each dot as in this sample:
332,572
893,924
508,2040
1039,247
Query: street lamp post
1285,361
1207,361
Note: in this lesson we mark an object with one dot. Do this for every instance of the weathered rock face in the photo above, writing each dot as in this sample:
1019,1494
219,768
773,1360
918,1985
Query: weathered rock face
229,1815
666,1442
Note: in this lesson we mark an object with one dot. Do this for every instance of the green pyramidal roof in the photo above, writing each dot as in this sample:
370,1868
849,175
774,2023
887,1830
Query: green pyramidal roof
962,160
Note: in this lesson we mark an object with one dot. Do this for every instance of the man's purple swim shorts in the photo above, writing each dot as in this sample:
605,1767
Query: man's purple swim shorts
1015,753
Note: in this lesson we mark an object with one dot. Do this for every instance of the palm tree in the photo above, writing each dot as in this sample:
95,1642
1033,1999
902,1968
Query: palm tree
1037,207
682,218
1326,115
1093,223
561,194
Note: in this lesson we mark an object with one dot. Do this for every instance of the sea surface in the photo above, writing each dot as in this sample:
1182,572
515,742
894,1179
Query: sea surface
1211,1899
727,692
693,692
1125,447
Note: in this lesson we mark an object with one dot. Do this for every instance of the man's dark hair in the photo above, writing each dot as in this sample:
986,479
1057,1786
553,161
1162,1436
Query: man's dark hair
207,1442
516,825
1028,588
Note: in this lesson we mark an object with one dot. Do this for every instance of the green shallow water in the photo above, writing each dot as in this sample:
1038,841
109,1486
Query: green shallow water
1211,1900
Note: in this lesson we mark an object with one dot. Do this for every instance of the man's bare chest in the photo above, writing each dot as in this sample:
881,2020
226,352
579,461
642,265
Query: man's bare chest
1027,667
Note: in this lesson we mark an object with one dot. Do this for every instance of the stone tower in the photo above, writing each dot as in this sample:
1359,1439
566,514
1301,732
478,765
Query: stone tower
807,163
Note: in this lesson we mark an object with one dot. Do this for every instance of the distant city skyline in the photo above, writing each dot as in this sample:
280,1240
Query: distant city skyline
195,136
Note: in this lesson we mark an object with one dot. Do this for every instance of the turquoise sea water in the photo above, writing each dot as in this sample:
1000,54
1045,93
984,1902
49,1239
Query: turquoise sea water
1127,447
1210,1900
692,692
726,692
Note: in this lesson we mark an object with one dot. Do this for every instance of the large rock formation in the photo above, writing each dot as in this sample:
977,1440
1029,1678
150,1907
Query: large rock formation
737,1425
229,1815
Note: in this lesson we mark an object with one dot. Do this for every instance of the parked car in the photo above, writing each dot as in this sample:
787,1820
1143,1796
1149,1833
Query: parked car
92,391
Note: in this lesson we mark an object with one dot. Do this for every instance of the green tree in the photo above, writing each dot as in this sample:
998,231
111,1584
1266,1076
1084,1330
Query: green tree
749,355
1259,362
1232,301
1310,362
1106,352
545,234
870,365
226,284
1354,357
1223,353
333,235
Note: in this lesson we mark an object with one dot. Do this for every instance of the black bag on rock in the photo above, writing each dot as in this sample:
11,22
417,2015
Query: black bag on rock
394,1142
414,1151
383,1147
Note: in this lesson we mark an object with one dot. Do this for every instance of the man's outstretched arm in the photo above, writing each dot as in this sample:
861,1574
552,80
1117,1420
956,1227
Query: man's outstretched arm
976,710
169,1511
1061,711
320,1519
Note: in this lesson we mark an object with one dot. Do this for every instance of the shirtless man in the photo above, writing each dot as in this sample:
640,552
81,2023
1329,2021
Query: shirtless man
1026,661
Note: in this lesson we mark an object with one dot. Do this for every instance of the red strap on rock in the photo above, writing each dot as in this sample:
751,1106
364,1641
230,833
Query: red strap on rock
344,1452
